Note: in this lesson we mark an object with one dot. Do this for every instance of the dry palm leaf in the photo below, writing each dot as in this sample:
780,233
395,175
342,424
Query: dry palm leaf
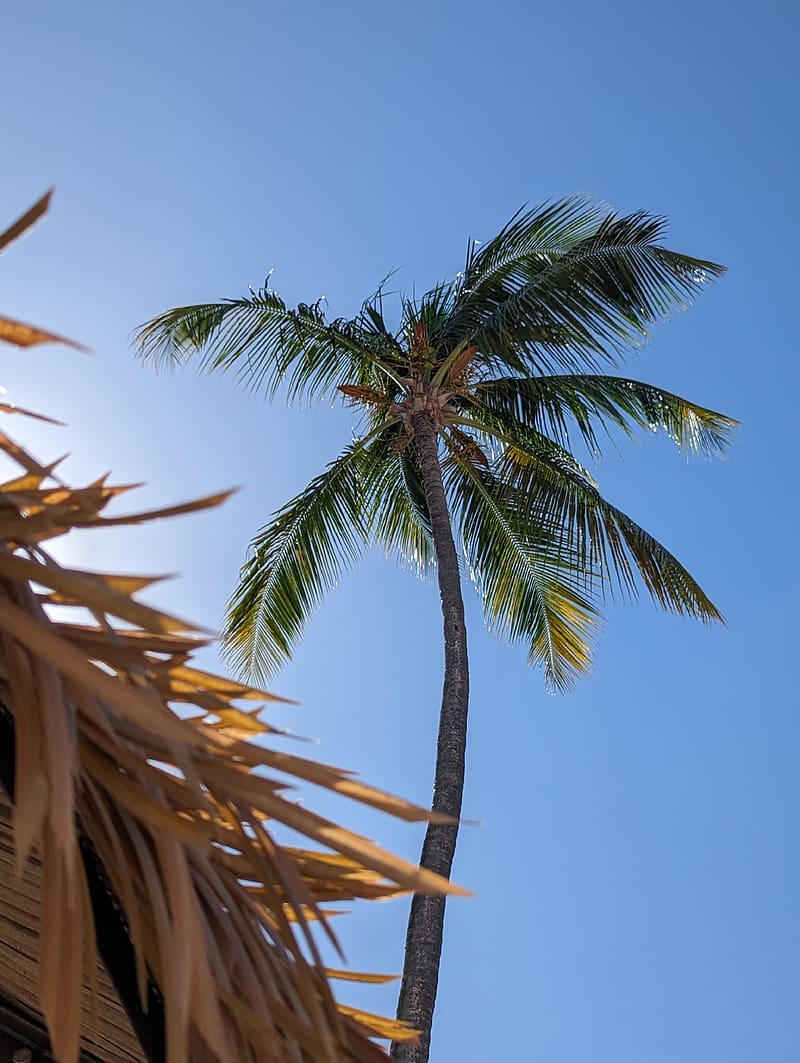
166,810
17,332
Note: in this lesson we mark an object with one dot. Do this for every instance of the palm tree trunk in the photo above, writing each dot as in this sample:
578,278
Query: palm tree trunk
426,921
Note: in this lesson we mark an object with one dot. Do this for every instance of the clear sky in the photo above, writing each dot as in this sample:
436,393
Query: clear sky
637,873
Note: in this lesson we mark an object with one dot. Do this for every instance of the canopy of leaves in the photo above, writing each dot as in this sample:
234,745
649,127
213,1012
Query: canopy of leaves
512,360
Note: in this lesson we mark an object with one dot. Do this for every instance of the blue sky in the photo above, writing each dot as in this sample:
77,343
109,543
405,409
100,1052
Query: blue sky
637,872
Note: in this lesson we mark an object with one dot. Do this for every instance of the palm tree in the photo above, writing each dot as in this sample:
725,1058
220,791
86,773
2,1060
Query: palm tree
468,405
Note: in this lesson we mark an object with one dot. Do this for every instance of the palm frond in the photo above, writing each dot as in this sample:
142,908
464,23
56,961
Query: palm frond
294,560
268,344
398,520
549,229
412,478
532,588
571,285
26,221
551,486
589,402
431,315
20,333
372,321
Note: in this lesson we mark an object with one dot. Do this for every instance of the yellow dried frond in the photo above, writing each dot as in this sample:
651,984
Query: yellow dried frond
17,332
23,335
460,365
364,396
174,808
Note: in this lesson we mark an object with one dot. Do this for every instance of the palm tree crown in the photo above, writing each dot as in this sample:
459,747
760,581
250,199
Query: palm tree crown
510,361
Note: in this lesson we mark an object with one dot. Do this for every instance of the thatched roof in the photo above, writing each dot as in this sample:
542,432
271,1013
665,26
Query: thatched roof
137,819
106,1033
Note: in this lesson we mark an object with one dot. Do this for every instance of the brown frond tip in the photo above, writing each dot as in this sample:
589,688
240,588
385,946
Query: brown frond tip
19,333
420,341
364,396
466,448
399,444
26,221
175,808
460,364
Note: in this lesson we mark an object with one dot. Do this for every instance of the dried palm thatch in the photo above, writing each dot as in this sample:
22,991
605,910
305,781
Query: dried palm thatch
138,792
106,1032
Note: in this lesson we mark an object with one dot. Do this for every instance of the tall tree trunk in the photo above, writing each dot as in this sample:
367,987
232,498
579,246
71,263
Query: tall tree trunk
426,921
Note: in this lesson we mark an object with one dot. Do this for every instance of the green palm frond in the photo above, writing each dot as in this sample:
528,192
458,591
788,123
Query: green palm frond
548,229
412,477
267,343
295,560
532,590
397,522
591,401
571,285
433,313
548,483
